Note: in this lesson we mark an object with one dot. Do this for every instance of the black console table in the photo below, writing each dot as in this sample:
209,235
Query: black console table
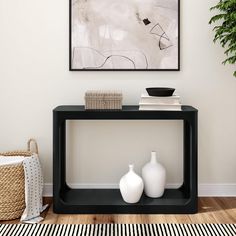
96,201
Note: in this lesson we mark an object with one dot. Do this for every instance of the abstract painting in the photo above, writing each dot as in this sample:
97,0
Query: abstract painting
124,35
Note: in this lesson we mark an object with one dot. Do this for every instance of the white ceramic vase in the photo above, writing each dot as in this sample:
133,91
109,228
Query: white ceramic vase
131,186
154,177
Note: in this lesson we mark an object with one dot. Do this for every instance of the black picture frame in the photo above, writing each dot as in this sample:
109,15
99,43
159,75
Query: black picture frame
120,69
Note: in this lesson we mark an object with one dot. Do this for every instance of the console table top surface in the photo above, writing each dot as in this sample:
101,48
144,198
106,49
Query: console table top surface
127,108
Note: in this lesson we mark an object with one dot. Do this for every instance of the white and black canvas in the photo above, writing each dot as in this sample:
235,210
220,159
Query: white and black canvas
124,35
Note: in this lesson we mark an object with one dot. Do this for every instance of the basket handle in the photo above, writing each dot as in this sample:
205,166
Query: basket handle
32,141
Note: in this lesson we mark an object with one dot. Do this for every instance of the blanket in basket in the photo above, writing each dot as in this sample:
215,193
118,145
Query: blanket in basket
33,186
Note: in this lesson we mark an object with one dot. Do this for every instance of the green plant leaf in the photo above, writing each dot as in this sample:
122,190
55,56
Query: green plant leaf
216,18
230,60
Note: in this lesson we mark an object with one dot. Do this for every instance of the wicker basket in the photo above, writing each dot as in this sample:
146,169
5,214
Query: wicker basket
103,100
12,185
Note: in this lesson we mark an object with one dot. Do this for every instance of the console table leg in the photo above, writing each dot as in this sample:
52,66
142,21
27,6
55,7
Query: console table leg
194,162
186,158
190,182
59,160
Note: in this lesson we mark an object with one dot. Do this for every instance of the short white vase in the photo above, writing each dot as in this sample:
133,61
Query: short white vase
131,186
154,177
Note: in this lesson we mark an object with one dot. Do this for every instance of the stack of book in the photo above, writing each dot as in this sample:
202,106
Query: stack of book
171,103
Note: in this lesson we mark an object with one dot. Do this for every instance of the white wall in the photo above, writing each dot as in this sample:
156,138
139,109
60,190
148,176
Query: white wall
35,78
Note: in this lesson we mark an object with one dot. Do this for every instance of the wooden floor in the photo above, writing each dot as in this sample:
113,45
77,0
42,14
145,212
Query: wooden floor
211,210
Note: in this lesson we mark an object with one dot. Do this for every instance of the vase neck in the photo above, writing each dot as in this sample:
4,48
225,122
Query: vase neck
131,168
153,157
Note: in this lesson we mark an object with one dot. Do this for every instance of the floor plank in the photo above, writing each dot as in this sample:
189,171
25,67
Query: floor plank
211,210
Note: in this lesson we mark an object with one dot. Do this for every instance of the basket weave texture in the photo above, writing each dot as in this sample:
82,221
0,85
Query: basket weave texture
12,185
98,99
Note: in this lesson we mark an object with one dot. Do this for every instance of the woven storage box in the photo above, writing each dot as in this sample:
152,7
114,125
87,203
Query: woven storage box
105,100
12,185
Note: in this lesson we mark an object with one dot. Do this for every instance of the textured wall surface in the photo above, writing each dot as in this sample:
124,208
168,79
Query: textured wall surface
35,78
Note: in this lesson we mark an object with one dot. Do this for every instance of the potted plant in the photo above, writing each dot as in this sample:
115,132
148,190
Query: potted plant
225,32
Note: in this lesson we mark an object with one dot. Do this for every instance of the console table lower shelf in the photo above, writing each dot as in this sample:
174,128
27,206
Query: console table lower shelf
109,201
101,201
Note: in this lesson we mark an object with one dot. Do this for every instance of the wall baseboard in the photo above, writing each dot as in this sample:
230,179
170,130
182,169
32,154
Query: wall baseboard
217,190
204,190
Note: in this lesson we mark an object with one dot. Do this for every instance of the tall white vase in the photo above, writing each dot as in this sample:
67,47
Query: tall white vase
154,177
131,186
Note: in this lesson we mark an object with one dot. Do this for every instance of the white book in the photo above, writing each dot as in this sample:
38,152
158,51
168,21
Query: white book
171,100
152,107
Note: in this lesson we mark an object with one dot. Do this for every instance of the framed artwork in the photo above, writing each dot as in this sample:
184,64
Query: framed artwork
124,35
